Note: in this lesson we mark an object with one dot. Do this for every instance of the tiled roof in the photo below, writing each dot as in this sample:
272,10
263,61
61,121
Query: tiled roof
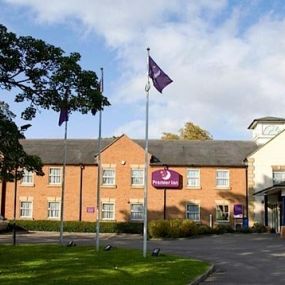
182,153
200,153
266,120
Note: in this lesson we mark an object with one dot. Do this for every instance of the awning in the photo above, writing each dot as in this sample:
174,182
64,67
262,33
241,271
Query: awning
271,190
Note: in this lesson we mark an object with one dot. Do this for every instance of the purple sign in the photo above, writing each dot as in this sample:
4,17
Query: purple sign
166,178
90,209
238,211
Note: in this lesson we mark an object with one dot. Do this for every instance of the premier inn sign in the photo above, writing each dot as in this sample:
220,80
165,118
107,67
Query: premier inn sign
166,179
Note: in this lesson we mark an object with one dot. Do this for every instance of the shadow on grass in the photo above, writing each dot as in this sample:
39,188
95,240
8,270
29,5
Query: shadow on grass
50,264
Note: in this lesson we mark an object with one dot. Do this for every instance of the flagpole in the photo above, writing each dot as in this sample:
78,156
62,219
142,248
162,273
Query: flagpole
63,184
99,170
147,88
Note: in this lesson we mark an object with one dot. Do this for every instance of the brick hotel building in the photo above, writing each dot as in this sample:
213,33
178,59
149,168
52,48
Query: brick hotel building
216,177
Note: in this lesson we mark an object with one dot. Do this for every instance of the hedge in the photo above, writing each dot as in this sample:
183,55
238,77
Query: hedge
174,228
76,226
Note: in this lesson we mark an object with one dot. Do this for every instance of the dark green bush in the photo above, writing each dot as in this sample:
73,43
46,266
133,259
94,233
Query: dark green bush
159,228
259,228
172,228
222,229
76,226
188,228
204,229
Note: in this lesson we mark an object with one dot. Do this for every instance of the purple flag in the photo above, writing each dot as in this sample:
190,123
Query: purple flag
63,116
159,78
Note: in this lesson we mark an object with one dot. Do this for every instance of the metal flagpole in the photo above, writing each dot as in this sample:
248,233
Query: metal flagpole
99,170
63,184
147,88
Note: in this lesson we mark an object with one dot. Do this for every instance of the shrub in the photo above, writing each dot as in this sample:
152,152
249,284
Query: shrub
188,228
76,226
158,228
258,228
204,229
222,229
172,228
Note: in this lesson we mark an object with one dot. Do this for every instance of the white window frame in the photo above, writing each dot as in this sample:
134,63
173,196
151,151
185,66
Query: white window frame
193,181
137,180
135,212
112,211
24,209
108,180
223,205
52,177
189,212
53,210
28,178
277,181
223,178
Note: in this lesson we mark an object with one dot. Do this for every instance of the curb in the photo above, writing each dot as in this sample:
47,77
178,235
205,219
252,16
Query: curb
203,276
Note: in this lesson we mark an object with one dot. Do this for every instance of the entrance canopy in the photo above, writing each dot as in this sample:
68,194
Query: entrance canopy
271,190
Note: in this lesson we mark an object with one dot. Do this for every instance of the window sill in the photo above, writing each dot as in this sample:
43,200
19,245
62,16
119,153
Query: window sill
224,188
55,185
193,187
137,186
26,218
109,186
27,185
222,222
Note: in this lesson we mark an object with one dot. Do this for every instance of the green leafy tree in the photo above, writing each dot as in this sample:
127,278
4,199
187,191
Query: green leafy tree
13,158
45,77
190,131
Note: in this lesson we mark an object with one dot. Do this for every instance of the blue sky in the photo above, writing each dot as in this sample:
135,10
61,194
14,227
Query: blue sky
226,58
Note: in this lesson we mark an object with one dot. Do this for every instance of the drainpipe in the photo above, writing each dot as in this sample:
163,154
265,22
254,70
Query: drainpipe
246,191
80,192
246,214
3,197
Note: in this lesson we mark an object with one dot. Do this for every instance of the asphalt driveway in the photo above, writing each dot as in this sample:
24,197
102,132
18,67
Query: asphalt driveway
239,258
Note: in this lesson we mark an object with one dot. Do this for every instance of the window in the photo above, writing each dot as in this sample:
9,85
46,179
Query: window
53,210
222,213
137,177
27,178
26,209
222,178
278,177
54,175
108,176
193,178
193,212
137,211
108,212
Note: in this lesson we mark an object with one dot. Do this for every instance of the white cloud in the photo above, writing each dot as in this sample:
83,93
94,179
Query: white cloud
223,78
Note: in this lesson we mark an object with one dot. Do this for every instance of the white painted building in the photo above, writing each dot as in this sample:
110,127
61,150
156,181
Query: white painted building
266,172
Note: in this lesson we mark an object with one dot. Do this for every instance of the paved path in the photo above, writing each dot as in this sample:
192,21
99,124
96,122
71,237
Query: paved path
239,258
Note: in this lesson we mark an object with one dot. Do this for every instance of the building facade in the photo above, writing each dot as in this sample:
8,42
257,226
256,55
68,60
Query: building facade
221,182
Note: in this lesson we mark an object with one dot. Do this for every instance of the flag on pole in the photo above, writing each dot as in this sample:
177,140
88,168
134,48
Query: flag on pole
63,116
159,78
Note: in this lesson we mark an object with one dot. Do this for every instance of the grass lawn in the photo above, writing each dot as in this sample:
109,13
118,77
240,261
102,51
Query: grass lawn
54,264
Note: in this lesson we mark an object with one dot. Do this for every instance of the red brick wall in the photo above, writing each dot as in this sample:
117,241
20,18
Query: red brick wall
122,154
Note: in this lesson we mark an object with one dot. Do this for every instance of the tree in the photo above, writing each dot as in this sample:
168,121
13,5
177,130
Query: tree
45,77
13,158
190,131
170,136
